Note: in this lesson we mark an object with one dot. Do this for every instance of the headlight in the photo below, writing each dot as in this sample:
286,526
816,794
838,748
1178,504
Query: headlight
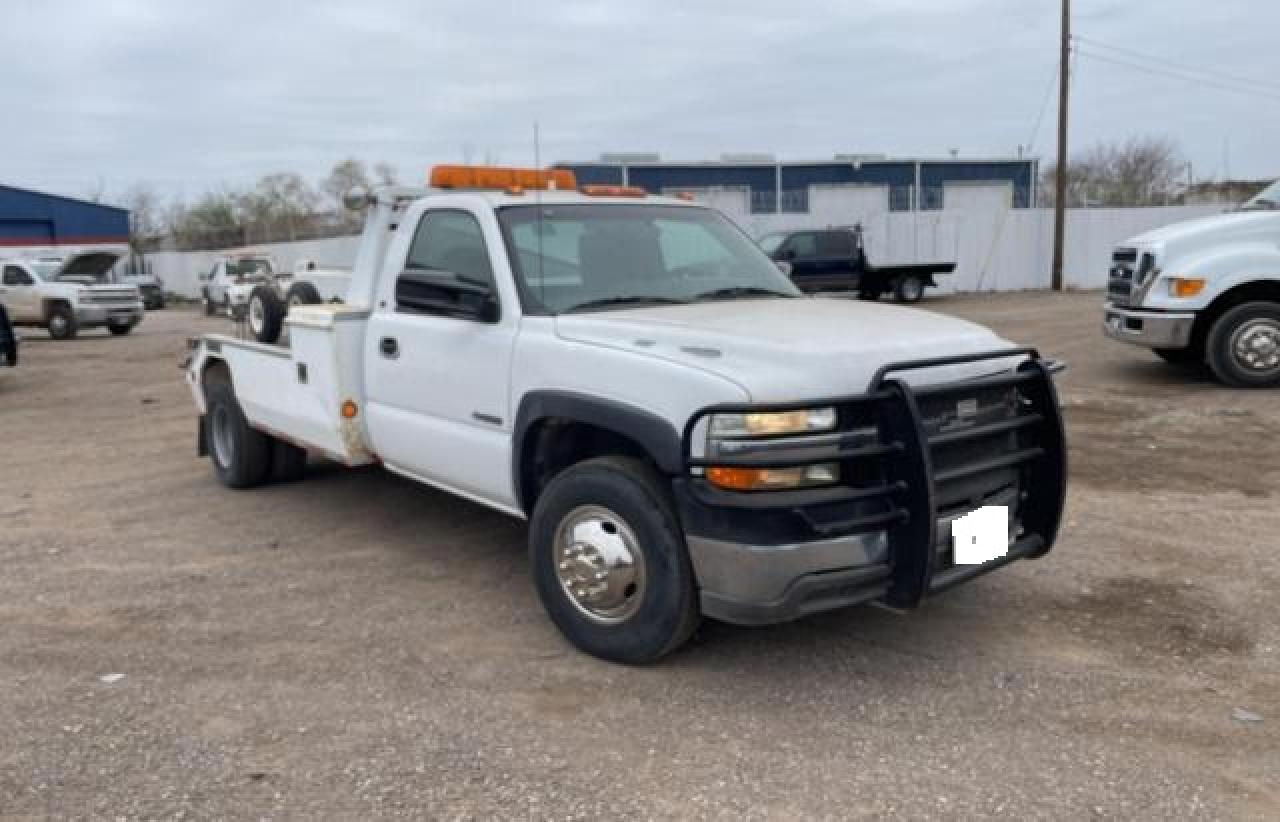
760,426
772,424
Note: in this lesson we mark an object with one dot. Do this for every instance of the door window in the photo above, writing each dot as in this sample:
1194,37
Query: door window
835,244
802,246
15,276
451,241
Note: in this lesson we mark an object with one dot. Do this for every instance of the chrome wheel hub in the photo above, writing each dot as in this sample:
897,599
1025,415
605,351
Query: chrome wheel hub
599,565
1256,345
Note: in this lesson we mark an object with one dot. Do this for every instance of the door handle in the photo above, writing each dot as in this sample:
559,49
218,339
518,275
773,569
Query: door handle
389,347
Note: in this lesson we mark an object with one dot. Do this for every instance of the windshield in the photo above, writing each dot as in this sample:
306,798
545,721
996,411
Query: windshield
1268,198
44,269
599,256
769,243
249,269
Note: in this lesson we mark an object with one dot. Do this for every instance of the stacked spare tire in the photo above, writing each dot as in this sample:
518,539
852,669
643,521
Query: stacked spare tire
267,309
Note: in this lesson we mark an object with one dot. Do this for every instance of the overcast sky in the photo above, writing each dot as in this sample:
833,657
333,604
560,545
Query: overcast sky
187,96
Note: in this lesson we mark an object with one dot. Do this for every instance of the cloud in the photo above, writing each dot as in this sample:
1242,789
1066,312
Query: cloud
188,96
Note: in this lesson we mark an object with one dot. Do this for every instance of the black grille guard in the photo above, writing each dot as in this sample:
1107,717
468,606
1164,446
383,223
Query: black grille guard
908,486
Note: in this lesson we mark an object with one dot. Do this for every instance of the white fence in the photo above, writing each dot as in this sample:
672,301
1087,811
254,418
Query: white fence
996,249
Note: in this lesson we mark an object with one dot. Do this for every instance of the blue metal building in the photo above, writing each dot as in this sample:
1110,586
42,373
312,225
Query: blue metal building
35,219
783,187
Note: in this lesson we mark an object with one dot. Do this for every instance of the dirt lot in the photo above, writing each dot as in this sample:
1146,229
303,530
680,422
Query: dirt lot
356,645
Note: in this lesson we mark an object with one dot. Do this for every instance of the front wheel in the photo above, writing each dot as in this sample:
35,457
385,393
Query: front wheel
1244,346
609,561
62,322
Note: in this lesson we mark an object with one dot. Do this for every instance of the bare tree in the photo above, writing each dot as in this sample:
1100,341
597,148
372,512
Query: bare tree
145,219
386,174
345,176
1140,171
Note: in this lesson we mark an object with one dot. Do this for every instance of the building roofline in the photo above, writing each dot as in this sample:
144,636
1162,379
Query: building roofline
826,162
63,197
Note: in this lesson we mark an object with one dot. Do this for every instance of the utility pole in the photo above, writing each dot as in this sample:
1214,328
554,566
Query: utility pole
1060,186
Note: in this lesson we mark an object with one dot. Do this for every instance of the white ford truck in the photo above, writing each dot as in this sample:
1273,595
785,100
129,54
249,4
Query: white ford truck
1205,290
65,296
686,434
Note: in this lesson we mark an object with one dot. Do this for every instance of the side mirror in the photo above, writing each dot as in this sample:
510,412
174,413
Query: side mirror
445,294
783,266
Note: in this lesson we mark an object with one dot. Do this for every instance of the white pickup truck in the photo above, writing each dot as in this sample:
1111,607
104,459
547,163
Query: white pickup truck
686,433
65,296
1205,290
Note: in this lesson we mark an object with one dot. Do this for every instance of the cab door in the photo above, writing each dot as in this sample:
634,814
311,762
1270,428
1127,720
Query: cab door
19,294
801,251
437,372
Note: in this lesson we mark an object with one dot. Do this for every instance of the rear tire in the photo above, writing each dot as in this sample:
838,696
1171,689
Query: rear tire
302,293
908,289
266,314
119,329
208,304
62,322
241,455
1244,346
590,515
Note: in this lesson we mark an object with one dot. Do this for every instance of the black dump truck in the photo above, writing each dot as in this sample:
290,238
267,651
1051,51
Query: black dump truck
835,259
8,340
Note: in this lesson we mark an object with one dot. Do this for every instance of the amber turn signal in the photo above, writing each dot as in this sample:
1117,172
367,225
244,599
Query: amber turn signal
1184,287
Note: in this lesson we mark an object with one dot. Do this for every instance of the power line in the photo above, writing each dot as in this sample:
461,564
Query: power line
1044,107
1181,67
1176,75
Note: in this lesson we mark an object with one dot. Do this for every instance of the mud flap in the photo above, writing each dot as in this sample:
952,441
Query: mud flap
202,441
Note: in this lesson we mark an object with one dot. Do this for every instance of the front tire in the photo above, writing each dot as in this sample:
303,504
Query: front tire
1244,346
62,322
241,455
609,561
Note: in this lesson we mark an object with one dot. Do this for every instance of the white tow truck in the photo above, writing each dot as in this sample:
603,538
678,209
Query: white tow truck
1205,291
686,434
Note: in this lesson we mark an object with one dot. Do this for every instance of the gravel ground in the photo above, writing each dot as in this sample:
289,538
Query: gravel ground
355,645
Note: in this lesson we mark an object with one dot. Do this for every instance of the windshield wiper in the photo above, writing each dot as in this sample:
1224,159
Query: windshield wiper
741,291
637,300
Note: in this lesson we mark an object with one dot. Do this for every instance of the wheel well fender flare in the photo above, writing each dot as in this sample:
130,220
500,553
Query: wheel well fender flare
657,436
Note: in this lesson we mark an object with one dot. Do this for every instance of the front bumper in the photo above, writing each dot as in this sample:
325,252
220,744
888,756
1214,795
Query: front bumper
89,315
775,556
1151,329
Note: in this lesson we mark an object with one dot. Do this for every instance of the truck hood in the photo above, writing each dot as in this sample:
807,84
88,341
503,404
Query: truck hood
87,268
1192,235
783,350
